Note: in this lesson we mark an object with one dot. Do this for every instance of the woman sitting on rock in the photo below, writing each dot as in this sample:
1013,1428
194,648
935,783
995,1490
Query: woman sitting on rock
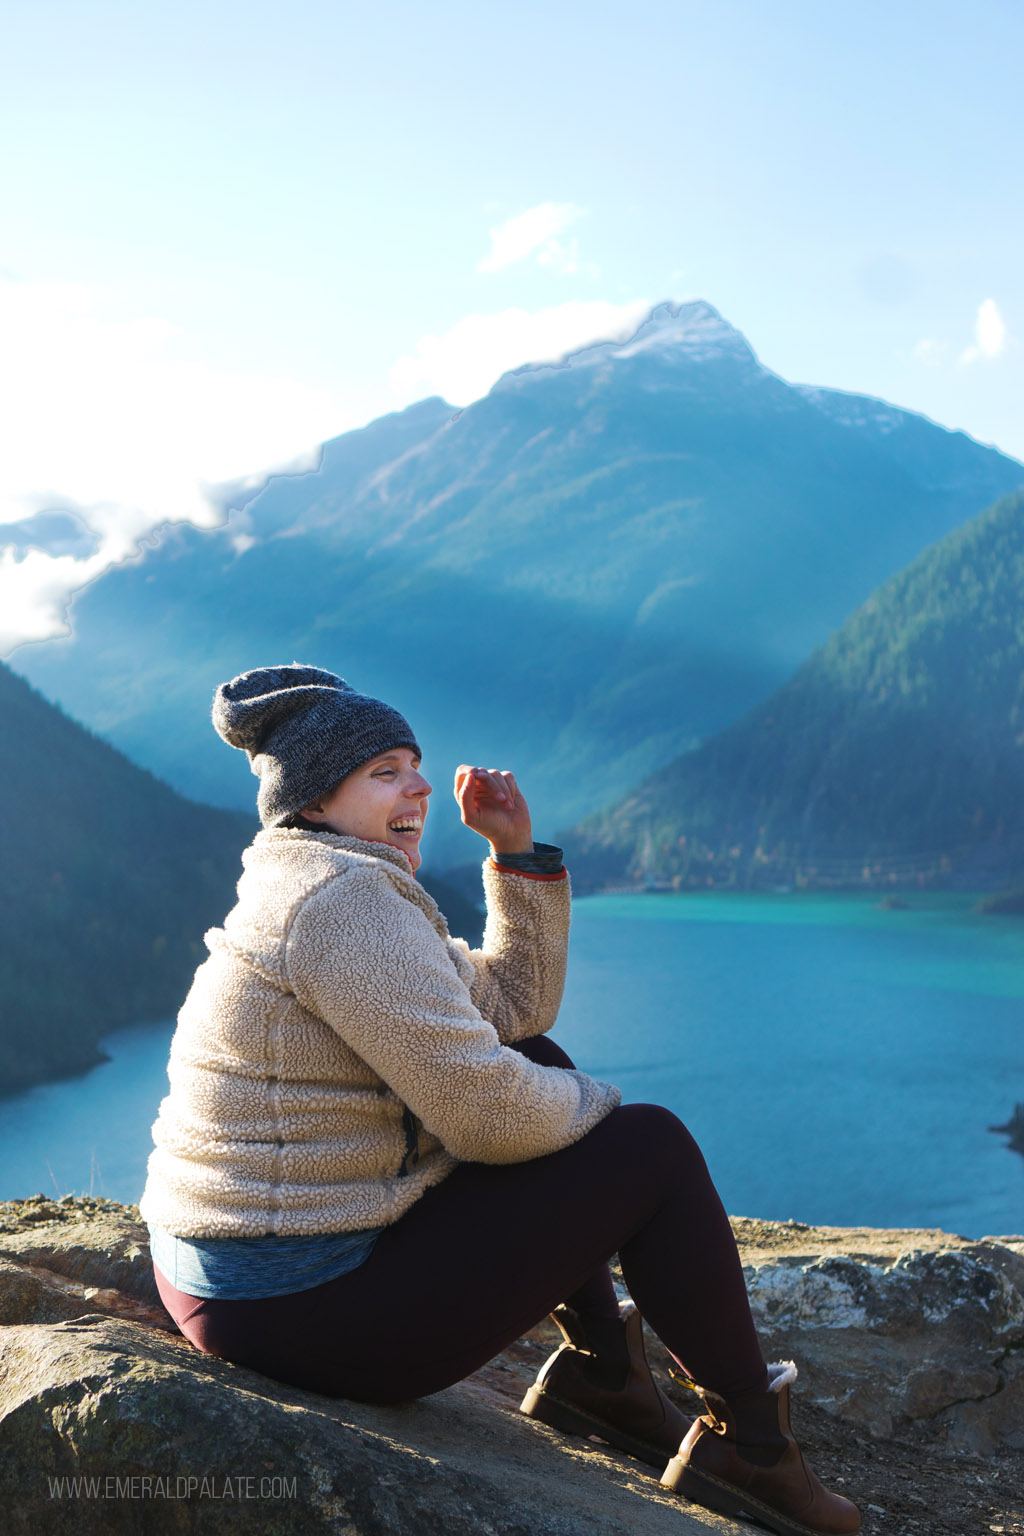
374,1171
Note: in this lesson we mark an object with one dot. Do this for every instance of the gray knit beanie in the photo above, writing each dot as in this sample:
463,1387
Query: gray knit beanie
304,731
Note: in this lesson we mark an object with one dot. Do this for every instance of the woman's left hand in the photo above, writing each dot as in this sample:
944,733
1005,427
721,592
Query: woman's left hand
492,804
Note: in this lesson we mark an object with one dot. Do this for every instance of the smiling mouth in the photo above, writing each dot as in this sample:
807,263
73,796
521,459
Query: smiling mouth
408,826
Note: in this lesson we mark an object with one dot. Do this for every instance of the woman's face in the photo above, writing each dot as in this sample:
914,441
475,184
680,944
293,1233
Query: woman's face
384,801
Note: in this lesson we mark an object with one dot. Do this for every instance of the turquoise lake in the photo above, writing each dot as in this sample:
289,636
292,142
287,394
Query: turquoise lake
839,1064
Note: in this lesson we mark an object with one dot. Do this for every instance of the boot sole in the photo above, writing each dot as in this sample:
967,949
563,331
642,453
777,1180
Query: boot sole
714,1493
538,1404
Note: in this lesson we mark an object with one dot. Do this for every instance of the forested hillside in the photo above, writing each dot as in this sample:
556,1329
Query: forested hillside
894,756
107,883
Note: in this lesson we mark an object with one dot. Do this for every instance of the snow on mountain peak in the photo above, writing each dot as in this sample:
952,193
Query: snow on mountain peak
695,328
693,331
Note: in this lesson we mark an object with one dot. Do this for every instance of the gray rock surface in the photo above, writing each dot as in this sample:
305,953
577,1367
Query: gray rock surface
96,1384
890,1329
893,1332
60,1257
101,1397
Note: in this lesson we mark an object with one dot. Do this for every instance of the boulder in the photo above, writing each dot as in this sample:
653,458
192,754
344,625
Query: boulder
59,1258
111,1422
894,1333
894,1329
111,1426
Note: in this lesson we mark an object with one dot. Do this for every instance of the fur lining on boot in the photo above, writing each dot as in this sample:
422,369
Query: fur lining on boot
781,1374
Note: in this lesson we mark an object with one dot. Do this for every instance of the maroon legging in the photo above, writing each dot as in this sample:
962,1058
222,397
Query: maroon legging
487,1253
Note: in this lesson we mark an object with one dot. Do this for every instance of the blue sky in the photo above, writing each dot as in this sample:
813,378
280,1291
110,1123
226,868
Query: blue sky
229,230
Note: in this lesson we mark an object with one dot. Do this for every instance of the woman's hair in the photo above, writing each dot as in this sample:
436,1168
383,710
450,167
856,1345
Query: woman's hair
296,822
299,823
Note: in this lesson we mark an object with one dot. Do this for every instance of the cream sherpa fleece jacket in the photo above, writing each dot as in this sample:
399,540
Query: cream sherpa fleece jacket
334,1003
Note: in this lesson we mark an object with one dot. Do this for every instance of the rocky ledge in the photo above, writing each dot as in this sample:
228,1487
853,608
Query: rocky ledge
910,1348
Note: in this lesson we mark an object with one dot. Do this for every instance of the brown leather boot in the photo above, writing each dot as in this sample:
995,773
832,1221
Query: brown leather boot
599,1383
740,1458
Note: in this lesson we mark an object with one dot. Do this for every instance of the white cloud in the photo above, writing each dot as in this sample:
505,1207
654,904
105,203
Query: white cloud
111,418
990,335
463,363
536,230
34,590
930,352
559,257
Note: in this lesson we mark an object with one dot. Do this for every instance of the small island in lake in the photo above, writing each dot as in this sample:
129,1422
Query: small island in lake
1003,903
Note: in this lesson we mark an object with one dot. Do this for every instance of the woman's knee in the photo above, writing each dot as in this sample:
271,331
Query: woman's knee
652,1131
544,1051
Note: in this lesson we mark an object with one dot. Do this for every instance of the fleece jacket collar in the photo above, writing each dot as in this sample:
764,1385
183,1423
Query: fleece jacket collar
382,852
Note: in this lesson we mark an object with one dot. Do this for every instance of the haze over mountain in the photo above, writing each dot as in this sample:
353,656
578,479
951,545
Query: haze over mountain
896,753
579,576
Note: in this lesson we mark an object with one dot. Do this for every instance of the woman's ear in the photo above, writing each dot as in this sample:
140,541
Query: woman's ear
319,811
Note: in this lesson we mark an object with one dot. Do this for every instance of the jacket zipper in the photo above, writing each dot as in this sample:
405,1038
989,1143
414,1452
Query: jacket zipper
412,1142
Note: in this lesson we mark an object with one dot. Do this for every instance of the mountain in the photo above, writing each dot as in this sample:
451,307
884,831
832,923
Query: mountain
580,576
108,882
894,756
55,533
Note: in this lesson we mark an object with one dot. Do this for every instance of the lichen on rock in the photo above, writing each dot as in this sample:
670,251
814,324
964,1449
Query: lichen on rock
900,1328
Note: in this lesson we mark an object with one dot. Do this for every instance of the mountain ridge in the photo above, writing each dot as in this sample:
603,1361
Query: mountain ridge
660,330
531,577
893,757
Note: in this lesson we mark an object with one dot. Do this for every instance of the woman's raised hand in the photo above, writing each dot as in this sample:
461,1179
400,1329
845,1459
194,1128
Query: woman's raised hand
492,804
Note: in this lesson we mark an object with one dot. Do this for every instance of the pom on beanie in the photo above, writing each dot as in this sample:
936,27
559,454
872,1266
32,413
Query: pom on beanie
304,730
